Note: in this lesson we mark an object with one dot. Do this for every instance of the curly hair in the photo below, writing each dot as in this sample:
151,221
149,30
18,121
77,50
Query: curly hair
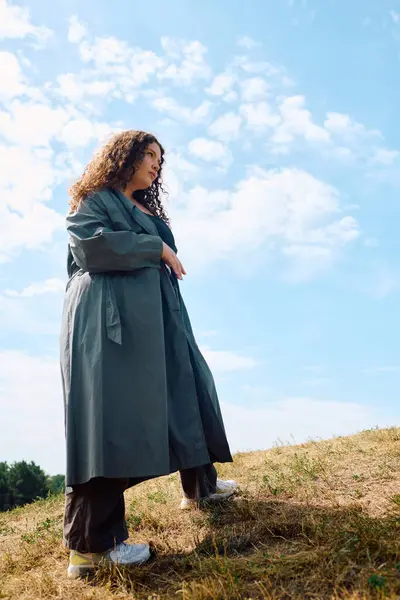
114,165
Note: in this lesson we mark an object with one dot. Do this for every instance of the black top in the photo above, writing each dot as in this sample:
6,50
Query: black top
164,232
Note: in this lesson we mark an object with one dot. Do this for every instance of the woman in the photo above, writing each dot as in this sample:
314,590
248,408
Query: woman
140,400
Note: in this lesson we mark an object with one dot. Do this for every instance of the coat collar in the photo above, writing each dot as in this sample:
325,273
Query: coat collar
139,216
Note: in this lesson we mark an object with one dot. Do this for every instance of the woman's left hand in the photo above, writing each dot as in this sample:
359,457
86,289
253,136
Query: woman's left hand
171,259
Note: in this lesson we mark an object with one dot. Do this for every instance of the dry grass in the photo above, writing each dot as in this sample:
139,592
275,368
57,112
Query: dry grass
316,521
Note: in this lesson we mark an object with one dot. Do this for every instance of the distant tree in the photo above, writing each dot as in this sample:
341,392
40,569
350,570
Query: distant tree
56,484
27,482
5,499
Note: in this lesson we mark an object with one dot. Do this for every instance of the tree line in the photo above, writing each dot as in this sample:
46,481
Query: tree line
22,483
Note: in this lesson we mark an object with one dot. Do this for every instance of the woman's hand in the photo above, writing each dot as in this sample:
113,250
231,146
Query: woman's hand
171,259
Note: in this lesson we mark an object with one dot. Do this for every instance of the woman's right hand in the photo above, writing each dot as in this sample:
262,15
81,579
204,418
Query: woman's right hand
171,259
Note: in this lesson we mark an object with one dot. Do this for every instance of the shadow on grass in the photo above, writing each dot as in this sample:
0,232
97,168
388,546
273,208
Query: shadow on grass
273,549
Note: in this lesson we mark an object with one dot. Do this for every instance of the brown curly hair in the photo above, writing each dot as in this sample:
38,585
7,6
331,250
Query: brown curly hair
114,165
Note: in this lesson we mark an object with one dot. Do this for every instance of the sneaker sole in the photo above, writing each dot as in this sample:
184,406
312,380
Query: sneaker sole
79,572
220,497
188,504
213,499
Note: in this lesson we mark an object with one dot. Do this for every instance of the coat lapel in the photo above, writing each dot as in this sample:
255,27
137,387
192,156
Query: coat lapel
140,217
144,221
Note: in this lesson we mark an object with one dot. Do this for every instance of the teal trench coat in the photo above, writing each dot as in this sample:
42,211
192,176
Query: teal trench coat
139,398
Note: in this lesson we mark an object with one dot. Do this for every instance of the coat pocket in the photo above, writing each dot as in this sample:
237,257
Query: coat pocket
169,288
113,319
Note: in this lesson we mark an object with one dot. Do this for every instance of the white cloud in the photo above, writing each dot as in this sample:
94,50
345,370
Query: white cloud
186,62
226,127
31,317
115,61
30,167
254,89
12,81
230,96
38,178
81,132
33,229
49,286
172,108
342,125
130,68
32,123
175,160
261,67
223,361
221,84
74,87
383,156
342,153
247,42
32,422
27,176
276,74
296,121
340,137
15,22
210,151
257,428
76,30
105,51
176,171
260,116
395,16
295,212
143,64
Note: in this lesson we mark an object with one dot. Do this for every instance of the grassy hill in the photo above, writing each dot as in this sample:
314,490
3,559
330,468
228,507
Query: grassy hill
320,520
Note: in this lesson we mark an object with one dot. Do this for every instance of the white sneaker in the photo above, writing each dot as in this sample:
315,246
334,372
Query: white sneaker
224,491
227,484
82,564
129,554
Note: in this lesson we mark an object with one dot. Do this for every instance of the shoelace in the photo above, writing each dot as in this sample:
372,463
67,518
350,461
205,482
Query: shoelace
122,548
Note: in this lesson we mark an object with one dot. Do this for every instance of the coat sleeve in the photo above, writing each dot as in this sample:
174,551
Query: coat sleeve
97,248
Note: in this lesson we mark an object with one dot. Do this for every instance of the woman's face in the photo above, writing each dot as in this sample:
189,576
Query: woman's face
147,171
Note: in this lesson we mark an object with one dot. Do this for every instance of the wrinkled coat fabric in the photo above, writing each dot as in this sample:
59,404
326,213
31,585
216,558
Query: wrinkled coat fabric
140,400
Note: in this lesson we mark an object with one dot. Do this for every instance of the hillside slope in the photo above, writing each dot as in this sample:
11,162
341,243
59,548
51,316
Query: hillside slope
320,520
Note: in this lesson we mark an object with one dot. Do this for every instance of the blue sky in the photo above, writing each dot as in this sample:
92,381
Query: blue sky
283,154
